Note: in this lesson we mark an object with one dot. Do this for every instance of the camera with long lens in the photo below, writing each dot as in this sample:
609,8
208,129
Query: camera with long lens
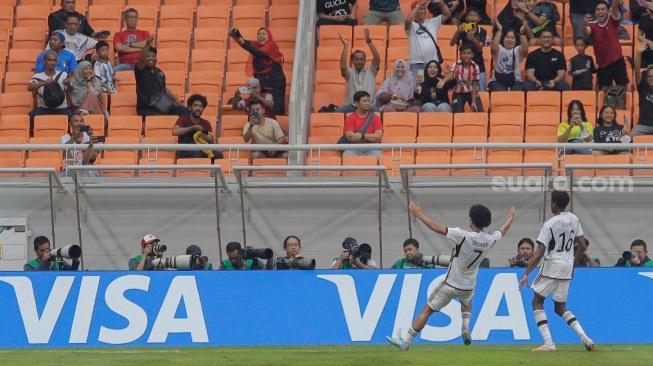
251,253
180,262
158,248
295,263
422,260
625,257
520,261
363,251
70,251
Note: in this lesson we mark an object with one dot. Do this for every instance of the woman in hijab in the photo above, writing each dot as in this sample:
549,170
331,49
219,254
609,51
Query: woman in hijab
432,91
86,93
397,92
265,63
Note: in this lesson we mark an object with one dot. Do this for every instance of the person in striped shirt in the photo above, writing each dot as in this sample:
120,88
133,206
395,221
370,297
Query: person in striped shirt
467,75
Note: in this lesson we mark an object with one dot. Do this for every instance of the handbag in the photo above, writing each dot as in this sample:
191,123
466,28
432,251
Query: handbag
161,101
368,122
507,79
399,104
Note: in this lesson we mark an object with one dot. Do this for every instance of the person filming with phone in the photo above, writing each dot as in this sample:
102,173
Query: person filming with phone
193,129
263,130
253,89
80,134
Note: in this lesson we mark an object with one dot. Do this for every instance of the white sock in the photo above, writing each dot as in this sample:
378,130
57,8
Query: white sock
543,326
569,317
466,318
412,333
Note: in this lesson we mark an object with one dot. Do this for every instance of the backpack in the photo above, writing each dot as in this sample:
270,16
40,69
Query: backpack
53,94
615,96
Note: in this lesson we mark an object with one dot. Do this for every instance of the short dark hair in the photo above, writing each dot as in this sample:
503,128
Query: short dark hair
577,102
527,241
40,240
580,38
75,15
480,215
360,94
560,198
602,2
545,30
197,97
638,242
70,119
473,9
411,241
464,47
285,241
130,10
153,50
101,44
255,102
234,246
351,57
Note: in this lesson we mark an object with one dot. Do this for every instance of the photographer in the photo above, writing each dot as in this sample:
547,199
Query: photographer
586,260
354,257
150,248
237,260
636,257
525,250
45,261
202,261
293,259
413,258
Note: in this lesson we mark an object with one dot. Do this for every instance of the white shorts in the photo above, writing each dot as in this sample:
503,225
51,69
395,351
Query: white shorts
544,286
443,295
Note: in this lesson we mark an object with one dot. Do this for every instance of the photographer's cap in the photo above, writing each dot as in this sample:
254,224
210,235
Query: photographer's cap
193,249
149,239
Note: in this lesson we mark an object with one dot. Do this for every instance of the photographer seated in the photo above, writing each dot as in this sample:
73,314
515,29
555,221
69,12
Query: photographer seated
525,250
293,259
636,257
45,261
193,129
246,259
415,259
253,88
354,256
202,261
586,260
150,248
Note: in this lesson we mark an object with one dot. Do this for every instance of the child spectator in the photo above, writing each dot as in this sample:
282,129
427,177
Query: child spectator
103,67
476,38
466,73
456,7
581,67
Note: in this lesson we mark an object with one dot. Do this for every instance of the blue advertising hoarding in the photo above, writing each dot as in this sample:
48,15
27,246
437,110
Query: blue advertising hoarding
174,308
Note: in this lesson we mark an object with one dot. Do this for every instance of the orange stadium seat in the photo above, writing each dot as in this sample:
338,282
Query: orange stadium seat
323,140
213,16
28,37
587,97
10,163
432,160
540,157
392,164
324,161
505,151
173,60
329,36
396,36
467,159
116,173
159,126
400,124
15,127
470,124
504,159
42,163
155,153
237,59
176,82
578,159
122,104
147,15
542,101
327,124
193,173
507,124
612,159
16,81
378,35
176,38
248,15
507,101
16,103
12,154
176,16
285,38
394,54
45,154
264,3
22,59
32,16
283,16
214,39
105,16
120,3
639,172
542,123
50,126
4,37
477,151
359,161
7,17
121,154
205,82
329,81
96,122
126,126
324,99
445,34
156,3
436,124
328,58
156,173
269,162
235,79
228,164
208,60
232,125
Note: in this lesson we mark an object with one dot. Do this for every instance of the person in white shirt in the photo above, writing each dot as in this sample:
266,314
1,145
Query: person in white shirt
422,34
557,239
471,247
76,42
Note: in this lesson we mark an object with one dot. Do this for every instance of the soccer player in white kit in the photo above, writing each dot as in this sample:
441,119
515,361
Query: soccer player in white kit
471,247
556,239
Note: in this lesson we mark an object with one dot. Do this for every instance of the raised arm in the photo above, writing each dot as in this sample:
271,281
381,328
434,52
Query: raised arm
142,60
614,9
416,210
535,260
637,68
495,47
506,225
408,24
344,69
376,57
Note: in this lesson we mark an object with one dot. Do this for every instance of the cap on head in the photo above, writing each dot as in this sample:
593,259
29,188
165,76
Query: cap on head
193,249
149,239
253,81
414,4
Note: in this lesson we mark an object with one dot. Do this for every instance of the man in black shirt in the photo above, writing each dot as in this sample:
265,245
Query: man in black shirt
545,67
57,21
337,12
645,88
645,33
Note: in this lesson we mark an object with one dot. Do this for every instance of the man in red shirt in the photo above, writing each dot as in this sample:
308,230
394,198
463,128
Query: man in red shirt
130,42
605,36
355,122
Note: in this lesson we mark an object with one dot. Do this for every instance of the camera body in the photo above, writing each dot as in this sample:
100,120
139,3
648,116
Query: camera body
363,251
290,262
469,27
158,248
250,253
520,261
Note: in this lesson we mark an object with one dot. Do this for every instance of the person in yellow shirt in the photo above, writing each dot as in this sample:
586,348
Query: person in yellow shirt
576,129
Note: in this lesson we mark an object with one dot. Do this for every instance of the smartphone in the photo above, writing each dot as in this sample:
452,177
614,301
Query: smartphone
255,115
84,128
245,90
100,138
469,26
103,34
420,72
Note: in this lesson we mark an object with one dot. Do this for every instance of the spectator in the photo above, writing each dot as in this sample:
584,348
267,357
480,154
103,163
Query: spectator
576,129
481,5
637,257
342,12
609,131
422,35
587,260
193,129
150,248
605,32
412,257
511,17
577,11
476,38
353,259
645,91
150,82
104,69
539,16
581,67
265,63
637,11
359,78
456,8
355,131
130,42
242,104
263,130
507,59
66,60
645,34
44,260
49,104
76,42
236,261
545,67
466,73
293,258
525,249
57,20
432,90
201,261
396,94
381,10
76,156
86,91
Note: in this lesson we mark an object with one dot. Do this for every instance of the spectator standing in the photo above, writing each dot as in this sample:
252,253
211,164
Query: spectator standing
511,17
265,63
481,5
545,67
66,60
423,34
432,90
193,129
48,105
466,73
74,156
577,11
242,104
456,8
57,20
539,16
605,35
397,92
645,34
581,67
76,42
355,122
359,78
381,10
262,130
340,12
476,38
645,91
104,69
129,42
507,59
609,131
576,129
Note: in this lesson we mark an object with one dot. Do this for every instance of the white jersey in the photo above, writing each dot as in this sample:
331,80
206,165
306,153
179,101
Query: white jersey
471,249
421,48
559,235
